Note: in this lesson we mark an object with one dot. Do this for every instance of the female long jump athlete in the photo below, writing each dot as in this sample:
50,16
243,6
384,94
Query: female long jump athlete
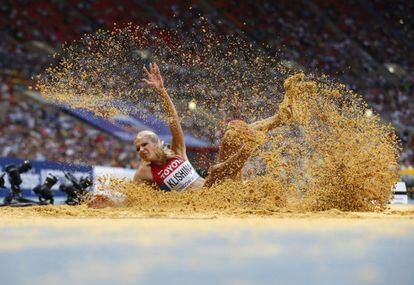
170,169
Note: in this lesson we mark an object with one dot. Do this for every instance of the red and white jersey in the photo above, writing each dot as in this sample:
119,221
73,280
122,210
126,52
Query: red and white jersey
177,174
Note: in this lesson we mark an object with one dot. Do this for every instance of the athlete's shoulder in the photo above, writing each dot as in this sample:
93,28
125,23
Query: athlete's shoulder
143,173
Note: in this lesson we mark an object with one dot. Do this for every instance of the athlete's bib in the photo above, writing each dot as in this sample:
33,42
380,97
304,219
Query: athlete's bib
177,174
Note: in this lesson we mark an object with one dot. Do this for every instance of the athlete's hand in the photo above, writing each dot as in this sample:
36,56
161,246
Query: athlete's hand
153,77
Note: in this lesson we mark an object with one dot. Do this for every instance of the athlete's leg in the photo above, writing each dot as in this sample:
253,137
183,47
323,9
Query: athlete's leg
285,107
236,134
280,118
230,168
272,122
238,144
231,142
234,152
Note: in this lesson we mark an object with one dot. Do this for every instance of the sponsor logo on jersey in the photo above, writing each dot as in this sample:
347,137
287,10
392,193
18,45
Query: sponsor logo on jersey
178,175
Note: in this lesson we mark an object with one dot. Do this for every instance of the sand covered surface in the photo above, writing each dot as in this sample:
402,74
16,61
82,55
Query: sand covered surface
64,212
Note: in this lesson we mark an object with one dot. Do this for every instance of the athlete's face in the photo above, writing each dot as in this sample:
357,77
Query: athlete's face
147,149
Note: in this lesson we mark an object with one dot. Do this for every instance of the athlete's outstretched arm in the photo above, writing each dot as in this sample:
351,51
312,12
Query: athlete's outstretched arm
154,80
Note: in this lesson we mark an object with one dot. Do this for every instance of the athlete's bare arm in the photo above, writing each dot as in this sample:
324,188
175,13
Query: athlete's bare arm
154,80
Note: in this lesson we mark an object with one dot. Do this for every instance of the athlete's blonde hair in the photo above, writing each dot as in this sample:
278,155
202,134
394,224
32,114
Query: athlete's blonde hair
166,151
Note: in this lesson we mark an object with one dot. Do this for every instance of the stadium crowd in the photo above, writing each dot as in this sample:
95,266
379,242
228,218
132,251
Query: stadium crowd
351,42
35,131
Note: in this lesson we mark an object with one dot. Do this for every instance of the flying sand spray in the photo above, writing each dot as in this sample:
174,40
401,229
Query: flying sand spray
329,154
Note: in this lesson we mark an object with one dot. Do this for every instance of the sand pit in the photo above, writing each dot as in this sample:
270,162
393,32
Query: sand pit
67,212
70,245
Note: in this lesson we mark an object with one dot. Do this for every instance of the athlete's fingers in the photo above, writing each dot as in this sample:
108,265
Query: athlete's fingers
151,68
147,81
146,71
157,70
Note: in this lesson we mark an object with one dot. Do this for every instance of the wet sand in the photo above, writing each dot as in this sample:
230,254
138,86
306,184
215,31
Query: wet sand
68,246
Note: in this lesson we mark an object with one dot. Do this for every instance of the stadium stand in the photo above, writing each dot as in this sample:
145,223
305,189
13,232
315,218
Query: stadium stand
365,44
